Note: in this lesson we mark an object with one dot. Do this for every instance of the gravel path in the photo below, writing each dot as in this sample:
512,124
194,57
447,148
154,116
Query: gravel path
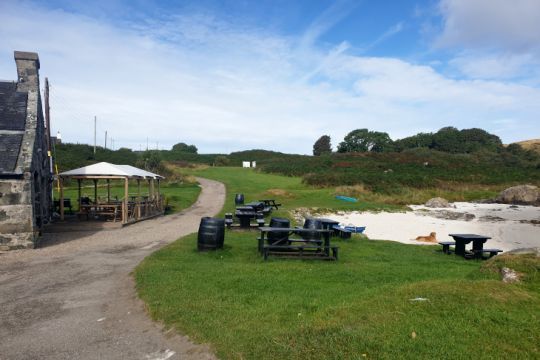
74,298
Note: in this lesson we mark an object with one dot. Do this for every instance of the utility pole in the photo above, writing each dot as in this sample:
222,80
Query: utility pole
48,123
105,139
50,186
95,125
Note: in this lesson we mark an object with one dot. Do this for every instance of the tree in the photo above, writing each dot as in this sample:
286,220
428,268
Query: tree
476,139
322,146
448,139
183,147
420,140
363,140
150,160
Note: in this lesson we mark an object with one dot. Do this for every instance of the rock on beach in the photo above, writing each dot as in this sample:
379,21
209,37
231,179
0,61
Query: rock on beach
521,194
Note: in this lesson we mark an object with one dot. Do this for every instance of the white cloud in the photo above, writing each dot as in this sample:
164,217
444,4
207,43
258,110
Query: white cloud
224,87
502,24
498,66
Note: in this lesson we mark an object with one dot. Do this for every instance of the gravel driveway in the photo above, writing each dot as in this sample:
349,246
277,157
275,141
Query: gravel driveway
74,298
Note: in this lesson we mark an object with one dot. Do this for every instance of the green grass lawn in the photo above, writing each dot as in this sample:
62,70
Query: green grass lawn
177,196
354,308
246,308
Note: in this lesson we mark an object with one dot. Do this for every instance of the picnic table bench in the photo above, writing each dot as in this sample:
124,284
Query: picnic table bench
446,246
461,240
286,246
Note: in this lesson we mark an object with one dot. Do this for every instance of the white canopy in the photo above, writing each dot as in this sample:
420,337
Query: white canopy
107,169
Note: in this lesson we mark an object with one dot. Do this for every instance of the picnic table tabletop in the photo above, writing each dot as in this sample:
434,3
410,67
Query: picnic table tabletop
469,237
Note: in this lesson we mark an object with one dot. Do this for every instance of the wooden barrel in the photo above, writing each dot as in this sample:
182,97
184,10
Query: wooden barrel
312,223
211,234
282,238
239,199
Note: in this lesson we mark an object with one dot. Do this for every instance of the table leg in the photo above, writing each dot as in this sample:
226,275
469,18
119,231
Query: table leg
261,242
478,246
245,222
326,236
460,247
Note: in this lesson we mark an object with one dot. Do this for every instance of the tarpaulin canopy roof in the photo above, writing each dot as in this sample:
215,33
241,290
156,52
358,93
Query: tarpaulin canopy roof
104,169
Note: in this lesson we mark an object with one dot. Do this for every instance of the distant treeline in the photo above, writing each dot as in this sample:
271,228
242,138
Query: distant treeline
448,139
449,156
70,156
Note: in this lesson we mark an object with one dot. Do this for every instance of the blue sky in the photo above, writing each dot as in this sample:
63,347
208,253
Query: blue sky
236,75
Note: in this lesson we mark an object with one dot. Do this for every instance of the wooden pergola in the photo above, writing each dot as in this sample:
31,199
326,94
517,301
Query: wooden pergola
128,209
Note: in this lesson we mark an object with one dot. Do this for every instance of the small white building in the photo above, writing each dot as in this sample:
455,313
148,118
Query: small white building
246,164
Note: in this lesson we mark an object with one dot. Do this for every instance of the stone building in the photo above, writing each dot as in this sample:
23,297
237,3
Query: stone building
25,176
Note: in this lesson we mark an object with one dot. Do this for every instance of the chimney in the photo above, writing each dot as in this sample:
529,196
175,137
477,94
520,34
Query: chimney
27,70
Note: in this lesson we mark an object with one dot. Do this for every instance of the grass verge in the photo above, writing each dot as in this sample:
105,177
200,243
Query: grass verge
357,307
361,306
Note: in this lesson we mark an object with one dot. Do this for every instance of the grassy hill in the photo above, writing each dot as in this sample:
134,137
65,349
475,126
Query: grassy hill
533,144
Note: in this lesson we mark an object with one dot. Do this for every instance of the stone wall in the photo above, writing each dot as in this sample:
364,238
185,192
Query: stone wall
17,228
25,201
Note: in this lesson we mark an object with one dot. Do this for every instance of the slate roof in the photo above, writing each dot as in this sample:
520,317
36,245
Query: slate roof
12,124
12,107
10,144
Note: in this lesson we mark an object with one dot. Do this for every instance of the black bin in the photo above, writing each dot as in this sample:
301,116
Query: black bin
279,238
211,234
239,199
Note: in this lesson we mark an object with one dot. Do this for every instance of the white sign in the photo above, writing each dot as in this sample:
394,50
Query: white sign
246,164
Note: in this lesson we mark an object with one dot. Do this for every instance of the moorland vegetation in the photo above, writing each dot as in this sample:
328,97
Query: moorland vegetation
448,159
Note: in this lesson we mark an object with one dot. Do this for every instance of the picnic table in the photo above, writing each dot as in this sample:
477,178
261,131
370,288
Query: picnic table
112,210
464,239
288,246
328,224
271,203
244,215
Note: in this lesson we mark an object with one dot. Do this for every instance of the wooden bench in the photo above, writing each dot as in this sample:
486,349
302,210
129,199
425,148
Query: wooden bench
491,252
287,242
446,246
301,251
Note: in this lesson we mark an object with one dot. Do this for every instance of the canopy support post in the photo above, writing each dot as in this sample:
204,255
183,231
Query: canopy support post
108,191
138,199
160,207
125,203
79,182
61,181
95,192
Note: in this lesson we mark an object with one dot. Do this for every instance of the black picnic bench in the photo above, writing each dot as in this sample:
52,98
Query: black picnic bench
461,240
67,205
283,245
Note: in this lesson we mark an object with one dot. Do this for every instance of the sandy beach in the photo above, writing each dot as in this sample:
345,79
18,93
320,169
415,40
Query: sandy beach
510,226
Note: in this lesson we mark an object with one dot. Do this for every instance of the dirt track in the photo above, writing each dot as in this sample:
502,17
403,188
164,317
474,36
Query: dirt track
74,298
